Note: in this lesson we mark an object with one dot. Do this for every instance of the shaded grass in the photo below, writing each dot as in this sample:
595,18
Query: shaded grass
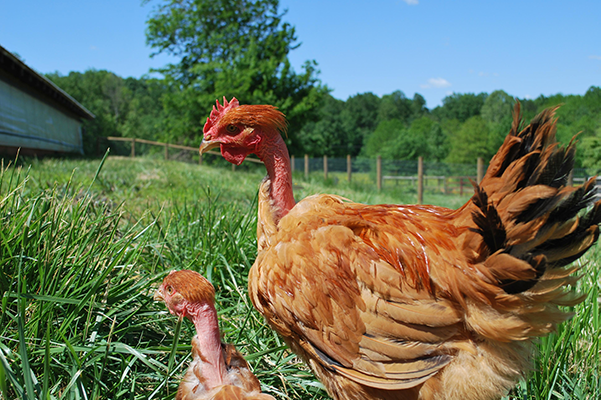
80,258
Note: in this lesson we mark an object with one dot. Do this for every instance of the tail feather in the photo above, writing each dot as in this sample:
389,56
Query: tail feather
527,221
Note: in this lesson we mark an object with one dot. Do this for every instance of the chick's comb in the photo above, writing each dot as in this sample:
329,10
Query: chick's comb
219,112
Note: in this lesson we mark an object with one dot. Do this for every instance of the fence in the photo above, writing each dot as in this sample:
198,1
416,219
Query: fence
135,143
418,174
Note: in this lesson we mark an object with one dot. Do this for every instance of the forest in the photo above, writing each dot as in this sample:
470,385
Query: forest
248,59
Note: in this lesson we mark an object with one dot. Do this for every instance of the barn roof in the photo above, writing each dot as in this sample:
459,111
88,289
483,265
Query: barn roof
20,71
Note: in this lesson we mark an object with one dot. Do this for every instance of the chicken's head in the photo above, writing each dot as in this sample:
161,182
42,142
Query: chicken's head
181,289
241,130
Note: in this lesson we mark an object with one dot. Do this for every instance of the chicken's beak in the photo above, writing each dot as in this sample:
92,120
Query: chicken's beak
207,145
158,296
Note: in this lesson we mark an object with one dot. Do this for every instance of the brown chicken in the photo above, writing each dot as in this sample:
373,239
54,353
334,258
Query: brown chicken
416,302
218,371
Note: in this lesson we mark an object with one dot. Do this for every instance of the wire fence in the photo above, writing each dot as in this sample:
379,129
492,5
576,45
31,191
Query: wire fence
418,174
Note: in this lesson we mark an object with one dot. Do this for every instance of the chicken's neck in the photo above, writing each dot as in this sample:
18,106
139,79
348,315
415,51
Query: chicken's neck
274,154
204,318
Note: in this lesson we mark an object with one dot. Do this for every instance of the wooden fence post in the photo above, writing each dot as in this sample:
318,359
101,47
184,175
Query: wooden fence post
379,173
199,158
349,167
292,163
420,180
571,178
133,147
233,167
325,168
166,151
306,166
480,170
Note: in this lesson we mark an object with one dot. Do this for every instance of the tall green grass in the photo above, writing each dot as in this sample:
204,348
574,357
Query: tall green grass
82,250
80,259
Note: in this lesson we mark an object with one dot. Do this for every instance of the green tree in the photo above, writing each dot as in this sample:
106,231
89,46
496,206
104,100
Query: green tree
418,106
424,138
470,142
327,135
395,106
497,112
230,48
591,149
460,106
392,140
359,119
380,141
145,116
438,143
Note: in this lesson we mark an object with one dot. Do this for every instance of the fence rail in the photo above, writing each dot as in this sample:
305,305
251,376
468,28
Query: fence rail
447,178
167,146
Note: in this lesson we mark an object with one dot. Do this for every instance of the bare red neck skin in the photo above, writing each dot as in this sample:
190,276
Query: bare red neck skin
204,317
274,153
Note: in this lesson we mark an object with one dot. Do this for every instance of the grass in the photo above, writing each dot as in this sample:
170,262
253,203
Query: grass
83,245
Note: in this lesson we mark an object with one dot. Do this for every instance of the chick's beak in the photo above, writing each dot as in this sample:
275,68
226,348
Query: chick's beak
158,296
207,145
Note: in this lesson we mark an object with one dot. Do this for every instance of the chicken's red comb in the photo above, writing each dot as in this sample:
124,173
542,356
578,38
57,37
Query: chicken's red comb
219,112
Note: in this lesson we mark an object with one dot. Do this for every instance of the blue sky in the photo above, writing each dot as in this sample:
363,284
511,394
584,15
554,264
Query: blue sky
432,47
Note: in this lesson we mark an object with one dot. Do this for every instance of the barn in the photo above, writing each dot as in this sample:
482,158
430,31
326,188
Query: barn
36,116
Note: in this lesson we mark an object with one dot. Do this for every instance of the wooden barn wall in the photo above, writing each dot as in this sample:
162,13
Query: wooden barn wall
27,121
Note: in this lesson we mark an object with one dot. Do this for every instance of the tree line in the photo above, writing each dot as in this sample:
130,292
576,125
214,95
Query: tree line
240,48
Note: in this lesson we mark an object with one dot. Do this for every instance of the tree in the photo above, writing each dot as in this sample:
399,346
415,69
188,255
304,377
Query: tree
360,118
380,141
497,112
424,138
392,140
395,106
470,142
412,142
460,106
327,136
230,48
592,152
418,105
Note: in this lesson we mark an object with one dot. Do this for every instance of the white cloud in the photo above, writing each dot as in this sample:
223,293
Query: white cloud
436,83
595,57
412,2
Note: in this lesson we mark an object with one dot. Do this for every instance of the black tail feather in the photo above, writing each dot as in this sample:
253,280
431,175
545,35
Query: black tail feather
541,161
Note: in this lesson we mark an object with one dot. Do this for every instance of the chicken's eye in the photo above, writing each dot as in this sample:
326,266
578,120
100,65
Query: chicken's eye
231,129
170,289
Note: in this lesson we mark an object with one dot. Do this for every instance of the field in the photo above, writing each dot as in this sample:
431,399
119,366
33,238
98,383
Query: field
84,244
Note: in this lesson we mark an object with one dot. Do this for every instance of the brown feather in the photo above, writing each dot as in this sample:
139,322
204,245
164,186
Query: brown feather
423,302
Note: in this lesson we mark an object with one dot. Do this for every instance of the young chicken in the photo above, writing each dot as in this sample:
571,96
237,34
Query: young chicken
218,371
416,302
